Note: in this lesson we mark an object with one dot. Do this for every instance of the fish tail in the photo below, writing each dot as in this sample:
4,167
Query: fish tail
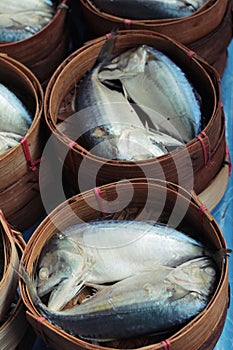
221,254
106,52
23,274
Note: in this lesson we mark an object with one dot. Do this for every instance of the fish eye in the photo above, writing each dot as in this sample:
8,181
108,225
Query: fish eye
210,271
44,273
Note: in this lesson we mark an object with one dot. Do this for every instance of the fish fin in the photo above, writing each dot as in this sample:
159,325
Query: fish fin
177,292
106,52
125,93
221,254
95,341
96,286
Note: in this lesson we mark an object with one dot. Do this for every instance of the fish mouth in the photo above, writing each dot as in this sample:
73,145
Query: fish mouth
45,290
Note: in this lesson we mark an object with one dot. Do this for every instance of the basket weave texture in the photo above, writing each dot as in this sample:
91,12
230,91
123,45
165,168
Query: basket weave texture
45,50
206,151
208,30
19,192
13,322
106,203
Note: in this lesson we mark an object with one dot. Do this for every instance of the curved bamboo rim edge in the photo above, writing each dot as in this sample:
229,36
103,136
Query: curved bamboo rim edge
213,194
64,66
221,287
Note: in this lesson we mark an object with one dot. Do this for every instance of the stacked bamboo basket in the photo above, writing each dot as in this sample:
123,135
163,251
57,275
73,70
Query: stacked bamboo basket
206,152
13,323
161,186
19,191
153,200
45,50
208,31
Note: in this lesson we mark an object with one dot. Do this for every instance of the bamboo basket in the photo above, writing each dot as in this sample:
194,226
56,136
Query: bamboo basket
45,50
15,325
213,46
203,30
19,191
154,200
206,153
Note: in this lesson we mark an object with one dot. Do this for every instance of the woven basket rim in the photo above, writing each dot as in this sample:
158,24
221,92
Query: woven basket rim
154,183
9,279
64,67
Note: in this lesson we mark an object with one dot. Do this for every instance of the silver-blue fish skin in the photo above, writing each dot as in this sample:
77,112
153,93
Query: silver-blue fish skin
16,6
110,121
81,256
149,9
14,117
160,88
147,303
20,20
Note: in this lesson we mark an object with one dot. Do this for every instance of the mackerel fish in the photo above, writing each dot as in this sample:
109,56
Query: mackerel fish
22,25
102,252
110,126
147,303
149,9
8,140
15,120
14,6
160,88
21,19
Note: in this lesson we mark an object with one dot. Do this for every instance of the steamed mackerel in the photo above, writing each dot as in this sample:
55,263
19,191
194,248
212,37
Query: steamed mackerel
146,303
8,140
14,6
22,25
160,88
107,251
13,115
110,126
149,9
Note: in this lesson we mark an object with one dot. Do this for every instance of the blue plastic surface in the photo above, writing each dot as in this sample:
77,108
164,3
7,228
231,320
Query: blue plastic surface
223,213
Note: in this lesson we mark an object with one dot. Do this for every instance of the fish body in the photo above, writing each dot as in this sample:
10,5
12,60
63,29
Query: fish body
148,302
160,88
149,9
13,115
8,140
14,6
21,19
115,130
22,25
108,251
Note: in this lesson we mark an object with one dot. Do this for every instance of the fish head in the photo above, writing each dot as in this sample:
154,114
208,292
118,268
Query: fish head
198,275
129,63
57,262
